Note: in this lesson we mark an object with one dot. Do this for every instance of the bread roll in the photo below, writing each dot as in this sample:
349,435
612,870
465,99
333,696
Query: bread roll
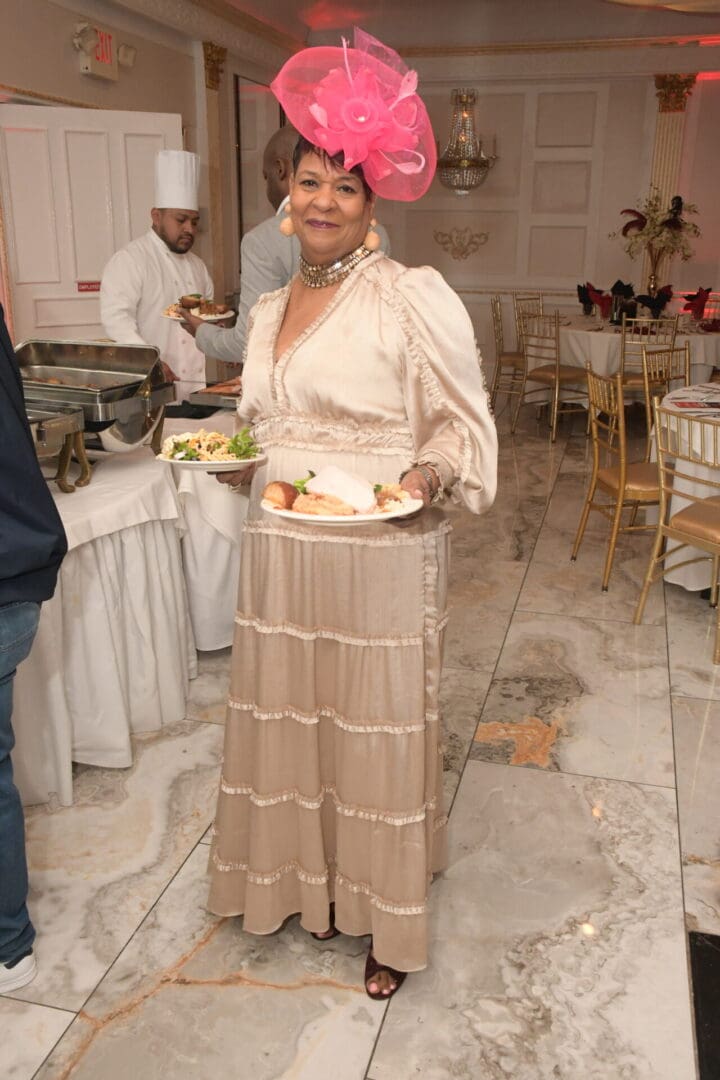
280,494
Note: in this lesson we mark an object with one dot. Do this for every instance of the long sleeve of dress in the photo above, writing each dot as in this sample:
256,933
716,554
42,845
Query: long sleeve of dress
444,387
120,294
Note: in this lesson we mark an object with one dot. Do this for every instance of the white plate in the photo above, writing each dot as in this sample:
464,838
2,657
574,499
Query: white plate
175,318
212,318
410,507
213,466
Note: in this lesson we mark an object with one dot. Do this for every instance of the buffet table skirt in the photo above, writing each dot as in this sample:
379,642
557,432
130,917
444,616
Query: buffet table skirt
114,649
213,521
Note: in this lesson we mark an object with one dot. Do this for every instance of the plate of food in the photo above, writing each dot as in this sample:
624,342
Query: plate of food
195,304
211,312
335,497
211,451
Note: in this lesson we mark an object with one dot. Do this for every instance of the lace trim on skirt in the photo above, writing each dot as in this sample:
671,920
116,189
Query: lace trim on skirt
337,719
399,540
307,878
306,802
400,640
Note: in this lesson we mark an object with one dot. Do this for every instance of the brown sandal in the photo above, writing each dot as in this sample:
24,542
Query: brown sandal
373,968
326,936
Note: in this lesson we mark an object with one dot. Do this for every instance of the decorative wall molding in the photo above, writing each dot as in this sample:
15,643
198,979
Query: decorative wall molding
461,243
37,96
571,45
214,57
217,21
250,24
673,91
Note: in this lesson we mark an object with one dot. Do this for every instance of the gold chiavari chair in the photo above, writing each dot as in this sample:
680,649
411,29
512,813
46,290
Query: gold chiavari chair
525,304
540,335
616,485
639,334
661,368
688,465
508,375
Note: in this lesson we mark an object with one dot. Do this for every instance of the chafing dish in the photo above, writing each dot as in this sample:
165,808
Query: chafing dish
222,395
50,428
121,389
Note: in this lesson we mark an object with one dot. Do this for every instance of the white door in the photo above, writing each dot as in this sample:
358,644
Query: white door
76,185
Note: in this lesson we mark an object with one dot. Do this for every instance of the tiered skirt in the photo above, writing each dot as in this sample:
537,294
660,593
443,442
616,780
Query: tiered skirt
331,785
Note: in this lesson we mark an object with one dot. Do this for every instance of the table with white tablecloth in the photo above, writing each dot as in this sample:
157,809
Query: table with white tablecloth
114,649
213,520
584,338
696,576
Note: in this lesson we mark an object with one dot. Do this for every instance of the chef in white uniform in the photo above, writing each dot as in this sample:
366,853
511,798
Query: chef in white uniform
141,280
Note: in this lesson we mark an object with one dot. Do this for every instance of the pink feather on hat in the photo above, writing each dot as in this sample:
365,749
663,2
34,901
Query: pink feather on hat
362,102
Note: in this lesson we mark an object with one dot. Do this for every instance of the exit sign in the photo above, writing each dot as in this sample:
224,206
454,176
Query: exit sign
102,60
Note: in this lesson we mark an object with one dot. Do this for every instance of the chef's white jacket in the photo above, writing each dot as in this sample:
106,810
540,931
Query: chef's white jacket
138,283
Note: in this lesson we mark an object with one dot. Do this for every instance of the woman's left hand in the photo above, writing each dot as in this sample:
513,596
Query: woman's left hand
416,485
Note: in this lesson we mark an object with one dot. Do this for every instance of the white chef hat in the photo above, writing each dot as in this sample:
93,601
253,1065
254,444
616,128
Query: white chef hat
177,175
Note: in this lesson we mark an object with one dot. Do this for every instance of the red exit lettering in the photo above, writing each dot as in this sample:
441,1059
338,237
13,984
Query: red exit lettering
88,286
103,52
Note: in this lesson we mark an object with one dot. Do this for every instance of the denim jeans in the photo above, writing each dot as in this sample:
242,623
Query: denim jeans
18,625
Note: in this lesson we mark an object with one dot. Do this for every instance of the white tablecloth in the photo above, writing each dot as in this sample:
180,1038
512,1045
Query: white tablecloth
582,341
114,649
213,517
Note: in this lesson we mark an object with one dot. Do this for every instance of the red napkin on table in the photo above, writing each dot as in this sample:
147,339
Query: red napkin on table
601,300
696,302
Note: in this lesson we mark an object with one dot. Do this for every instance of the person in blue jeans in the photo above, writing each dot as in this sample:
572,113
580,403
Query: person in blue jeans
32,546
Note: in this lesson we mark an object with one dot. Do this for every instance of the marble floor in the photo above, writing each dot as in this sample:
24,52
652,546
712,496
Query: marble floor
581,768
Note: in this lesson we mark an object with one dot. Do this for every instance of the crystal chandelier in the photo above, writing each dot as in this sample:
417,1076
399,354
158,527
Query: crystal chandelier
463,165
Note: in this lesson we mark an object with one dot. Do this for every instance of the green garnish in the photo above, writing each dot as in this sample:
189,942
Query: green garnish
377,488
243,445
299,485
185,452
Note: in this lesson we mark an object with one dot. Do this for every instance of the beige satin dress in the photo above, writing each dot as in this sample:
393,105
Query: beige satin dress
331,786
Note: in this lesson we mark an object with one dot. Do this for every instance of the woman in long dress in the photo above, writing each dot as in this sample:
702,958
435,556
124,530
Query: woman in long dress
330,799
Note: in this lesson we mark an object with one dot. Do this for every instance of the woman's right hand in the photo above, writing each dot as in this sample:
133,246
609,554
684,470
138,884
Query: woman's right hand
237,477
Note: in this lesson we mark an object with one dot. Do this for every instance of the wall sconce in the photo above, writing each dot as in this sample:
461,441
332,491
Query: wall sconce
463,165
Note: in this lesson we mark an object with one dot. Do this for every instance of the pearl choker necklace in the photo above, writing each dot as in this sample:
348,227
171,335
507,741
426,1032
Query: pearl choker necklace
318,277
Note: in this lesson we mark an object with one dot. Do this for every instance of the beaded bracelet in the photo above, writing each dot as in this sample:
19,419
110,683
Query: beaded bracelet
430,477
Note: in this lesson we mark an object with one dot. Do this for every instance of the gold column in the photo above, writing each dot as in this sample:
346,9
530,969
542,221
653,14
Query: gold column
214,56
672,92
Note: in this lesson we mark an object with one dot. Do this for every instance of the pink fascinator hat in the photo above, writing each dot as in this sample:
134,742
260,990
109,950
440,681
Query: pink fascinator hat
362,101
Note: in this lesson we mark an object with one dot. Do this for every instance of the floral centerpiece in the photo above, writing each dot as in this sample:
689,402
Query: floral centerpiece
659,231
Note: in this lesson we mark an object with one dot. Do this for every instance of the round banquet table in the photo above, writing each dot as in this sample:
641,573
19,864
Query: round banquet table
212,531
584,338
114,650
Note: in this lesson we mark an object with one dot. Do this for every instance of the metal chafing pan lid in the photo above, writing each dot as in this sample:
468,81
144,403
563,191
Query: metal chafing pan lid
113,383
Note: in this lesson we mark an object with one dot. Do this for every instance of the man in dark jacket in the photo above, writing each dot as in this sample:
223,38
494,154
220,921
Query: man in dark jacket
32,546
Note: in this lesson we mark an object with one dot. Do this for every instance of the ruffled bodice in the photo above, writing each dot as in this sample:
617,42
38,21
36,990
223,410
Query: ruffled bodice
388,374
